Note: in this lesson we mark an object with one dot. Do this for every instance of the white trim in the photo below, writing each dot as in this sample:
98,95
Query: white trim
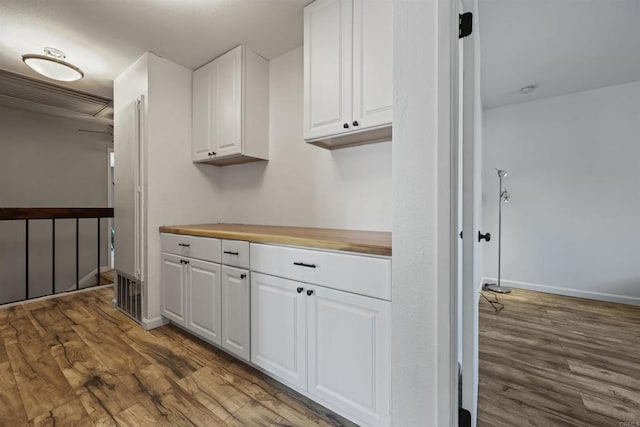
110,180
59,294
447,246
156,322
599,296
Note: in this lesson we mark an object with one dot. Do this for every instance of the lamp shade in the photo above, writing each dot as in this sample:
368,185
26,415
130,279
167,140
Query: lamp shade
53,66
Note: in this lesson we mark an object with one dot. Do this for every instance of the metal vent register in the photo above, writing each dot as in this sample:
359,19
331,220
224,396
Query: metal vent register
129,296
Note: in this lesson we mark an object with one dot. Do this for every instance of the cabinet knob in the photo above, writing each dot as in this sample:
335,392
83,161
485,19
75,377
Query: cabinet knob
309,292
243,276
300,290
355,123
346,125
185,245
184,261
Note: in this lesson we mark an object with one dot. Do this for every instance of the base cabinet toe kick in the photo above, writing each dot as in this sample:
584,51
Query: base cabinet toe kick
318,321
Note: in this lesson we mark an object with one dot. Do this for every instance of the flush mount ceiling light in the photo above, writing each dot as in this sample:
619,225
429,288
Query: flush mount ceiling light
528,89
53,65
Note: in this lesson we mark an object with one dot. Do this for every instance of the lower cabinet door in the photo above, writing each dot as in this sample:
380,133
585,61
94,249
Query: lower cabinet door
349,351
173,283
278,328
203,299
236,327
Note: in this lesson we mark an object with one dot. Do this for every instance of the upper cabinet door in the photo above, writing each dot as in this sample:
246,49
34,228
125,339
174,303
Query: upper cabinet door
372,63
327,67
202,144
204,299
226,100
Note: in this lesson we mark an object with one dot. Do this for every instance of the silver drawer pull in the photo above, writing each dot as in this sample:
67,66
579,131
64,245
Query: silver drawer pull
186,245
231,253
302,264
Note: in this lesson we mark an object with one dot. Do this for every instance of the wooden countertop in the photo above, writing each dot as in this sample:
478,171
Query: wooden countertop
367,242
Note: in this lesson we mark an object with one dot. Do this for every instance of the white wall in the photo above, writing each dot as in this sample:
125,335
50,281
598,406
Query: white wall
574,177
47,162
423,324
178,192
303,185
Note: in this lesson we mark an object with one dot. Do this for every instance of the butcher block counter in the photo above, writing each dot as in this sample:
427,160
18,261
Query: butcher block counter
366,242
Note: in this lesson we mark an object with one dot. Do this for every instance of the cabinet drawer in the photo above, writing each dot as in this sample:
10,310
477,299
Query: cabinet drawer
235,253
203,248
362,275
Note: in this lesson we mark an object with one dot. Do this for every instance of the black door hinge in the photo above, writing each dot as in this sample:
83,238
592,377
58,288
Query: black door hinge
464,418
465,24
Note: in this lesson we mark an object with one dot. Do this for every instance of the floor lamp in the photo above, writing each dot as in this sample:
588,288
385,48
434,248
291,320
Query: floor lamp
504,196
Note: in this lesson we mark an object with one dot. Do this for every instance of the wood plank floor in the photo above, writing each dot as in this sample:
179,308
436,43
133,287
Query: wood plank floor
548,360
74,360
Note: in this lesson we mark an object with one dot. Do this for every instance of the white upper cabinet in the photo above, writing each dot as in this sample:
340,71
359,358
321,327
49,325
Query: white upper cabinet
327,67
231,109
348,64
372,63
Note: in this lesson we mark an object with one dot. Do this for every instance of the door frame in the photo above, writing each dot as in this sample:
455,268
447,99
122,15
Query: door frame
110,183
465,97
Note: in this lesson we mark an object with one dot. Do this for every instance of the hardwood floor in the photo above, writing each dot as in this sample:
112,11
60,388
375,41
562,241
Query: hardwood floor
548,360
75,360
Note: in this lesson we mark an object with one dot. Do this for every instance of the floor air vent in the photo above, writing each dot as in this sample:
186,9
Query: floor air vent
129,297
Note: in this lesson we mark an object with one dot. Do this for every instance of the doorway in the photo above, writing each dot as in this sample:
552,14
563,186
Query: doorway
558,111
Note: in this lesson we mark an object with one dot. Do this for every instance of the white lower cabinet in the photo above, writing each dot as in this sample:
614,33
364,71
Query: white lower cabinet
173,288
326,333
203,301
191,295
348,353
332,344
278,328
236,328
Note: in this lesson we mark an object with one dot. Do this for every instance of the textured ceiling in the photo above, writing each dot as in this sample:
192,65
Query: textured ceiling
563,46
103,37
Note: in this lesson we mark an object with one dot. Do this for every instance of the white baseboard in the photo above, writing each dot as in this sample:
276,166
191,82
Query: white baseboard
156,322
600,296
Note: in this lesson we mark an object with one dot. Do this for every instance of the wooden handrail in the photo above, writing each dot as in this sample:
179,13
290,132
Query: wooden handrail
51,213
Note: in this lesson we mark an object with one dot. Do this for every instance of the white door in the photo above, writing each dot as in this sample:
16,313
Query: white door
349,350
372,63
227,104
203,292
201,145
173,288
471,215
236,326
327,68
278,328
